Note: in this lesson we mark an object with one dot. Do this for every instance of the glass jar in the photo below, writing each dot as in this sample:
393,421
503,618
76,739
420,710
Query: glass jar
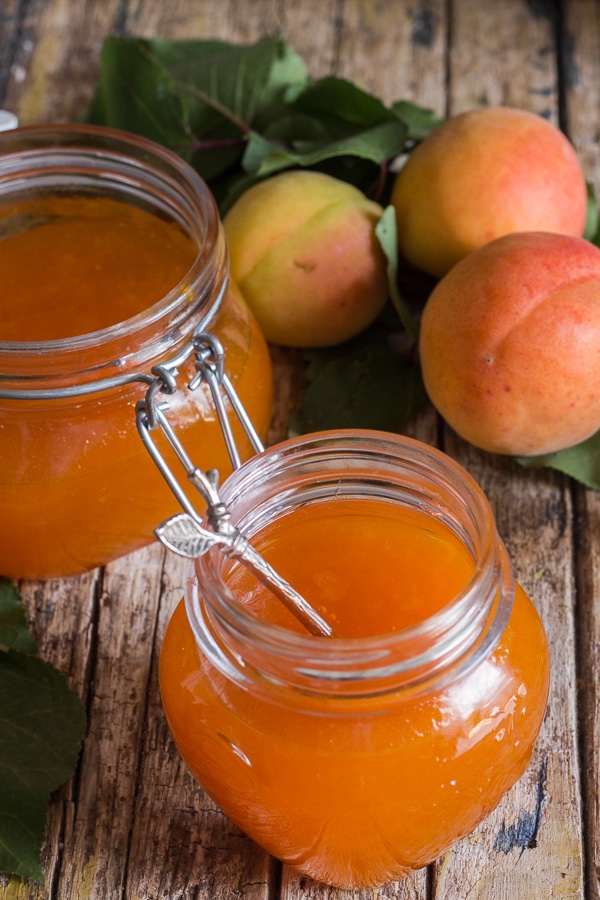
359,757
77,486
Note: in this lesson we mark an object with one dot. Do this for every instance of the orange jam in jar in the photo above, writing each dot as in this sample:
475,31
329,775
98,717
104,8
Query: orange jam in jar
112,255
359,757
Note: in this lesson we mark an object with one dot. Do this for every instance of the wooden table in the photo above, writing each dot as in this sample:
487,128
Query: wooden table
132,823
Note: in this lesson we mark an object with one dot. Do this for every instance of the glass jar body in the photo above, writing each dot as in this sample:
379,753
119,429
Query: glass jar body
356,761
77,487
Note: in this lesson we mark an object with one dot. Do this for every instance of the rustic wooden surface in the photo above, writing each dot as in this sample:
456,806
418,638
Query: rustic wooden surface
132,824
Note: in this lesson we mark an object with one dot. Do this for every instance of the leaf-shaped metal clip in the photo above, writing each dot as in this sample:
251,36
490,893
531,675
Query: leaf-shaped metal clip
186,536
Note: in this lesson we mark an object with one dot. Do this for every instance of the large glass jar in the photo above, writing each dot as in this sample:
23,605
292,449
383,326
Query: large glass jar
113,255
359,757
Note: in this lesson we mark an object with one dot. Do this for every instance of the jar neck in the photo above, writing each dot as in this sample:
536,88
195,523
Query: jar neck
356,465
92,161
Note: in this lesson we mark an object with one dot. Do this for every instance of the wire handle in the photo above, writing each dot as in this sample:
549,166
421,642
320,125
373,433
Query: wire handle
185,533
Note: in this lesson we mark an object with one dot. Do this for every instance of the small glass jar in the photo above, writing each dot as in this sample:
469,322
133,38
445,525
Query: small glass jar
77,486
357,759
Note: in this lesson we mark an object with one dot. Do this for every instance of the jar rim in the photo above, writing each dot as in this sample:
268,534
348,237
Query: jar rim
135,157
474,617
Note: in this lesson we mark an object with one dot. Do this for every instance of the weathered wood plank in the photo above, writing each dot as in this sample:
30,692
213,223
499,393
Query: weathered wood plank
181,844
588,621
56,60
10,24
300,888
119,679
397,53
541,815
503,54
243,21
581,68
580,65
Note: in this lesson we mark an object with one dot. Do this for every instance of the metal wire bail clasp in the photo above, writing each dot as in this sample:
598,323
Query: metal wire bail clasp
150,415
210,363
185,533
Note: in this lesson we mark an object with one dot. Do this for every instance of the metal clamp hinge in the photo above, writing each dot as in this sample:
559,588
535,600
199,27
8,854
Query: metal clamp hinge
186,533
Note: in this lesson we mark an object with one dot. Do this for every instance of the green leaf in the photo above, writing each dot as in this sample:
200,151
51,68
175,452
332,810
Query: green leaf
239,113
387,235
375,144
327,119
135,93
367,385
42,723
14,629
263,156
591,231
240,83
581,462
419,121
342,101
199,98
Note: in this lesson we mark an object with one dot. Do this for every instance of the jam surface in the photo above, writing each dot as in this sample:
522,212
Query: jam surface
326,552
75,265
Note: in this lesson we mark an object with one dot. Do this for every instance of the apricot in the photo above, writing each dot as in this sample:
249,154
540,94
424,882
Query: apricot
510,344
305,256
481,175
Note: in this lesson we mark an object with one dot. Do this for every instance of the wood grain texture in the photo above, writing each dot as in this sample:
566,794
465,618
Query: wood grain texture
56,58
504,54
132,823
588,684
109,764
580,65
397,51
531,845
181,845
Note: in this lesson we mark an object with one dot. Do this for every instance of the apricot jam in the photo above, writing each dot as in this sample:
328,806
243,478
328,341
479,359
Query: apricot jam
357,758
98,262
112,255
